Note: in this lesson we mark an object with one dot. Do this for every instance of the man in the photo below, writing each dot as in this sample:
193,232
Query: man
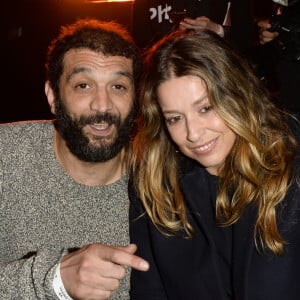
64,229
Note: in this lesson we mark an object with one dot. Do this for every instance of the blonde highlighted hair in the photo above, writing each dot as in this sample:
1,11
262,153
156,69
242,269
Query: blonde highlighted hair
258,169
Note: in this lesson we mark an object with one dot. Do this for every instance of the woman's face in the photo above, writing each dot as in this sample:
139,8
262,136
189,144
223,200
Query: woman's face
193,124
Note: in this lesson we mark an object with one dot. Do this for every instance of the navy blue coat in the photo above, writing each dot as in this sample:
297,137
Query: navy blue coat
184,268
218,263
267,276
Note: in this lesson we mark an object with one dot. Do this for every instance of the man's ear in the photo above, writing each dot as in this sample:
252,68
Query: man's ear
50,96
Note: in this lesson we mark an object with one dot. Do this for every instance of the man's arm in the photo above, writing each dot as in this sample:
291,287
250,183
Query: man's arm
30,277
92,270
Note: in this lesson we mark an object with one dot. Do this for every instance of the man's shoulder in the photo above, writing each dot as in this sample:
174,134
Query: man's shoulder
25,126
16,133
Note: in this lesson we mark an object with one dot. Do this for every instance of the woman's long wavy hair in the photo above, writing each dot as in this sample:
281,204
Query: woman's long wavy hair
256,172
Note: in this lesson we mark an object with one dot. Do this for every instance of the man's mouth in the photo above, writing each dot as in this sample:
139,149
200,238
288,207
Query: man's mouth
100,126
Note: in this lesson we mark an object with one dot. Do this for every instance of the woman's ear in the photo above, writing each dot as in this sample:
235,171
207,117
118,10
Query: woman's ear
50,96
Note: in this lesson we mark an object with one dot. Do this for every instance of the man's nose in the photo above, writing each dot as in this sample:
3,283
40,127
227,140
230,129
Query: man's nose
101,101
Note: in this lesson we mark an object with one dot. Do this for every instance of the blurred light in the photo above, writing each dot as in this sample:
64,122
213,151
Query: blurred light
101,1
282,2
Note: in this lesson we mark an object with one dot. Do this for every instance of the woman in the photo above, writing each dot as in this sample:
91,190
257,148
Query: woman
202,100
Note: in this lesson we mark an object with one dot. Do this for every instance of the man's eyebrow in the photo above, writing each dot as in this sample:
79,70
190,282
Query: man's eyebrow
78,70
88,70
125,73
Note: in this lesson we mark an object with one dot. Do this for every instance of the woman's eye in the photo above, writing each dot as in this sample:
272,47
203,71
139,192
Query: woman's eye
205,109
173,120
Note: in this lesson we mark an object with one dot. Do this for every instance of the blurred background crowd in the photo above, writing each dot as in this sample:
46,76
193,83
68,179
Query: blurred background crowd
28,26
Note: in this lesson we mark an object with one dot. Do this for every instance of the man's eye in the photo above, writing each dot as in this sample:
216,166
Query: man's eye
82,86
172,120
119,87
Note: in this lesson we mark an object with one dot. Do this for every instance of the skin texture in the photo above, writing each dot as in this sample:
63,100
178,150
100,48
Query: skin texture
194,126
92,83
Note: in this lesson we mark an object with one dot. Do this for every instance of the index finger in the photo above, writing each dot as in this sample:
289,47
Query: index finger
121,257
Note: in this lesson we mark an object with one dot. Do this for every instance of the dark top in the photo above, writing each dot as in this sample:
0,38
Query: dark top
182,268
267,276
205,266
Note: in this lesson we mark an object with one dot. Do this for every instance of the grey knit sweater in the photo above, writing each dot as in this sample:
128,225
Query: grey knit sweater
44,212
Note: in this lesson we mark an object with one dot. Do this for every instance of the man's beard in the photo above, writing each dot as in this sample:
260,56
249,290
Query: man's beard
100,150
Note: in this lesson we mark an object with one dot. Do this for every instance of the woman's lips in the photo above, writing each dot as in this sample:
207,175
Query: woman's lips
205,148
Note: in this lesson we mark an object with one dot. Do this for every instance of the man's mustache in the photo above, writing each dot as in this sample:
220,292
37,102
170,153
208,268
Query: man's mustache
98,118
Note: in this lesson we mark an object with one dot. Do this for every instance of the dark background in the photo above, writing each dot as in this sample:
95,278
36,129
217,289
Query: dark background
26,30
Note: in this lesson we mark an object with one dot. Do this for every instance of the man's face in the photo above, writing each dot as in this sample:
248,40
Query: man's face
95,111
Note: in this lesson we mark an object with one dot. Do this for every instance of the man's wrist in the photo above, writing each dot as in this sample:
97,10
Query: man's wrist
58,286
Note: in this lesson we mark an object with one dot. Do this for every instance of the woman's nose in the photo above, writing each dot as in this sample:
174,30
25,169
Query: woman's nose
194,130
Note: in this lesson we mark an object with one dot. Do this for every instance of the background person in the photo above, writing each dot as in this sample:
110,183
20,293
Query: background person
152,19
279,36
210,107
64,218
